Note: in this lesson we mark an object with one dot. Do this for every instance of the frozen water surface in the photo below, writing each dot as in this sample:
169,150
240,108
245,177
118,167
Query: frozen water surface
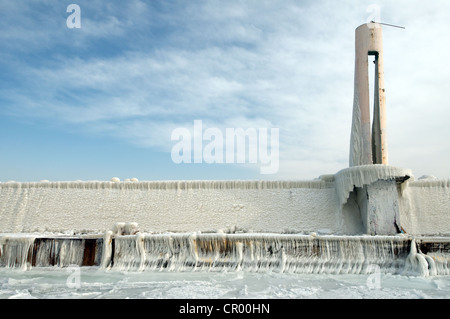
95,283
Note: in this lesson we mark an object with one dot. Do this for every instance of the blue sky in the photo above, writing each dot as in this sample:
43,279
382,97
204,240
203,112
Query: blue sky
101,101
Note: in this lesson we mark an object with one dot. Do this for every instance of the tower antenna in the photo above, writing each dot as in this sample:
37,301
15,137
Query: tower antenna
390,25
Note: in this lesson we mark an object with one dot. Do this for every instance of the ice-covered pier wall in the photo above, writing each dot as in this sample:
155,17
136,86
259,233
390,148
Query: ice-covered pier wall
184,206
425,207
326,205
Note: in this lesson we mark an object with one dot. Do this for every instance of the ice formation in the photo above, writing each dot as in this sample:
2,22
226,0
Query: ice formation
228,252
418,263
324,205
207,225
15,251
93,206
358,176
258,252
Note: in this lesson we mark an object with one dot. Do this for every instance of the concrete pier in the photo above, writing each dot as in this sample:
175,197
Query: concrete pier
379,208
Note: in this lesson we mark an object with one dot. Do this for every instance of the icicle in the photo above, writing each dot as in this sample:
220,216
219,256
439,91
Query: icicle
173,185
70,252
15,251
240,255
283,260
194,247
416,263
107,250
431,183
141,250
431,265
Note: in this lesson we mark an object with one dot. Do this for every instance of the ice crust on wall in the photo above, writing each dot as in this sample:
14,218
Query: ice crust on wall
216,252
260,252
172,185
14,251
358,176
24,251
276,206
425,207
188,206
286,253
356,142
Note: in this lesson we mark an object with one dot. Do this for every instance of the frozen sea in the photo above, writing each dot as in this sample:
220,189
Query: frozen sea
94,283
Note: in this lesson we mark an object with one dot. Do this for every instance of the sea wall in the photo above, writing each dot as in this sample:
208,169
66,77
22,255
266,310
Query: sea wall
326,205
186,206
425,207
